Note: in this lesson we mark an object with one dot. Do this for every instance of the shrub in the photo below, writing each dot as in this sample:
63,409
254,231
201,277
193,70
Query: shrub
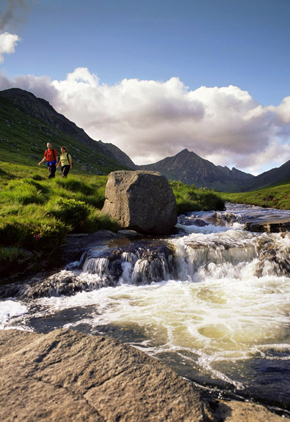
32,234
93,194
99,221
69,211
190,198
209,200
11,254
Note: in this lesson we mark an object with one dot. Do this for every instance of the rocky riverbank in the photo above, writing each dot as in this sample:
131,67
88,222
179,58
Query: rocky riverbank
69,376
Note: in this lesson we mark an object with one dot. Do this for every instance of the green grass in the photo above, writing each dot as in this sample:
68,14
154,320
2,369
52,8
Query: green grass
191,198
38,212
274,197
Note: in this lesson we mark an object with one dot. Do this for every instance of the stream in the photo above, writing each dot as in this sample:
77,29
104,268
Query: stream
212,302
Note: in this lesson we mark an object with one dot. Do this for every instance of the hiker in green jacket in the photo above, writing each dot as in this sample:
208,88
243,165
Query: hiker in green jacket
65,161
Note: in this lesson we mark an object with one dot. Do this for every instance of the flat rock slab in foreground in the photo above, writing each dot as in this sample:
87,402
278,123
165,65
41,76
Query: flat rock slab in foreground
69,376
270,226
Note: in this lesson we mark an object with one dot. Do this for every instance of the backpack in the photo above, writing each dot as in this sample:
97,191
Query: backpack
71,163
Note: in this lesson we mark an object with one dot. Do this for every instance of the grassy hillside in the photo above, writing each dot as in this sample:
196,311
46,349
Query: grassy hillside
23,140
274,197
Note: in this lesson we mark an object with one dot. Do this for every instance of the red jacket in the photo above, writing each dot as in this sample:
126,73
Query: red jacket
50,155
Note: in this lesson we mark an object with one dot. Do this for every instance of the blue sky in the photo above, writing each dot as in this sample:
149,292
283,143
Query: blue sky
126,52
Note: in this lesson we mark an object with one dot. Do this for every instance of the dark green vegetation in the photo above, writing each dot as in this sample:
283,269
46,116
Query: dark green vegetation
190,198
36,214
274,197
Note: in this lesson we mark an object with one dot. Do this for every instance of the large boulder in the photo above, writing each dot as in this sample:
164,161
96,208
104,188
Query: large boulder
141,200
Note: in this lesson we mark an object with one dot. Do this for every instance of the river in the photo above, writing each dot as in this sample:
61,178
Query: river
212,302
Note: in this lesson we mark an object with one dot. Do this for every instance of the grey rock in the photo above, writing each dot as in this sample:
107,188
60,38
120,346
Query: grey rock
141,200
270,226
69,376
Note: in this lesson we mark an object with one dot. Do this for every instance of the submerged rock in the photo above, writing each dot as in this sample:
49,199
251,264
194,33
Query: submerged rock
69,376
141,200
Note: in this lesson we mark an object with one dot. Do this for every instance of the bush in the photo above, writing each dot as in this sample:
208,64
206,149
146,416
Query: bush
209,200
69,211
99,221
93,194
11,254
32,234
190,198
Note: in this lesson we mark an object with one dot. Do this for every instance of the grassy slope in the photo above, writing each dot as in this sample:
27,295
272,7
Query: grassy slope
23,140
274,197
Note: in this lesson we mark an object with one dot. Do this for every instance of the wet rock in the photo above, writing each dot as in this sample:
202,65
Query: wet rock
270,226
139,262
61,283
226,217
141,200
129,233
77,244
236,411
10,268
69,376
272,259
191,221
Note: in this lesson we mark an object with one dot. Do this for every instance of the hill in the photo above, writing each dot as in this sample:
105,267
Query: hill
274,177
189,168
27,123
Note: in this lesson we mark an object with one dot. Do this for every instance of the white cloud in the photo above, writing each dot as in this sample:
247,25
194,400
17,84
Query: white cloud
7,44
150,120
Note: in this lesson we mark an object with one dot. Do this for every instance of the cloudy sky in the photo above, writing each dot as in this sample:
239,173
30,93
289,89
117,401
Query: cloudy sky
155,77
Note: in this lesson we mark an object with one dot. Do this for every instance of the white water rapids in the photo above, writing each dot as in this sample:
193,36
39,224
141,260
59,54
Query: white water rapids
223,320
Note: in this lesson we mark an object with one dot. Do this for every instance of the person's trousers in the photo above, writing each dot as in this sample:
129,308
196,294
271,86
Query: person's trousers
65,170
52,170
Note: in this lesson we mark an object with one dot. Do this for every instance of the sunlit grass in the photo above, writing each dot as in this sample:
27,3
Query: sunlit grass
275,197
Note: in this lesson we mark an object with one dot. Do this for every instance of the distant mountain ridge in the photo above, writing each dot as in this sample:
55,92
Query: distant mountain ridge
189,168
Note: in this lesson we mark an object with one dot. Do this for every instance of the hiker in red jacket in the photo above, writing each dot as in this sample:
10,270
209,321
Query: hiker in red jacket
50,156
